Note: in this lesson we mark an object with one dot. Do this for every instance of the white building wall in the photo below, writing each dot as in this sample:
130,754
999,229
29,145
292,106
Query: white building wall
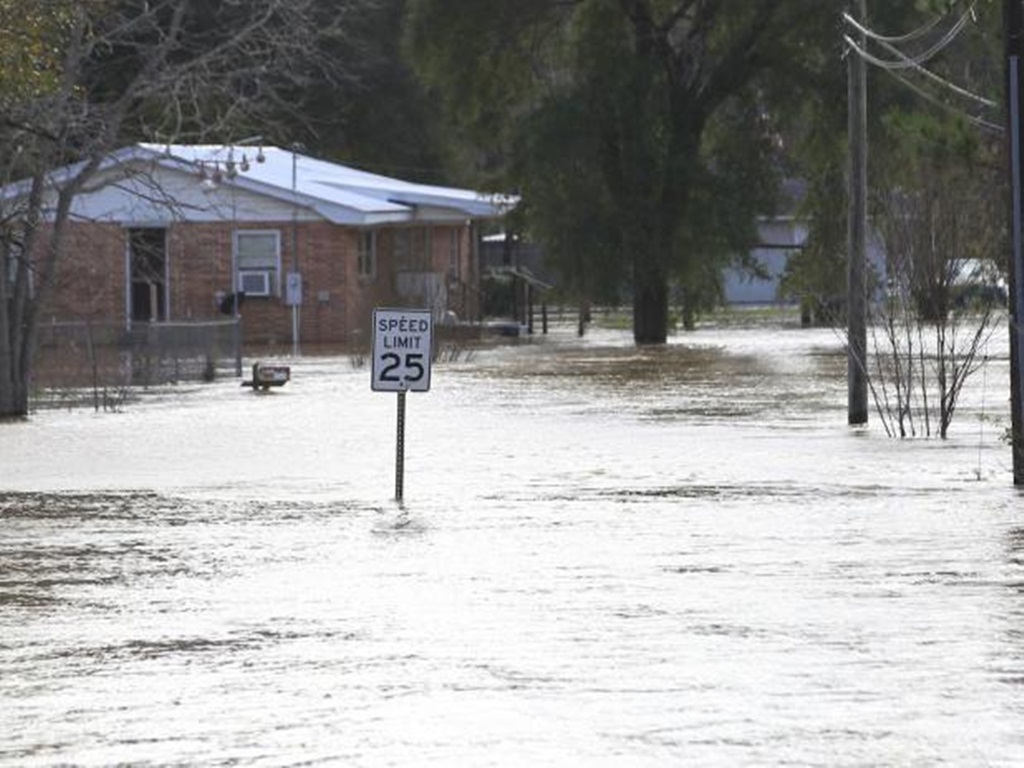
784,237
162,196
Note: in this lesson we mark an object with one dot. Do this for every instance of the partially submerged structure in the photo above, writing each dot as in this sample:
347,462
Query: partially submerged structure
291,247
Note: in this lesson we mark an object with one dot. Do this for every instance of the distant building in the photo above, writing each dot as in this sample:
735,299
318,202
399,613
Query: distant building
779,239
780,236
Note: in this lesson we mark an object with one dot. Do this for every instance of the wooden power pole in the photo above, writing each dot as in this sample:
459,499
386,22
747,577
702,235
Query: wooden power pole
856,308
1013,24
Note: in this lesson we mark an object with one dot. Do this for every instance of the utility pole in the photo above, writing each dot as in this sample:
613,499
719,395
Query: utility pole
293,294
1013,24
856,303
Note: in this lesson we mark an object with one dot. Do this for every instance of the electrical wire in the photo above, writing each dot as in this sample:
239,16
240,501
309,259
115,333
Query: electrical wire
904,61
917,33
973,119
882,64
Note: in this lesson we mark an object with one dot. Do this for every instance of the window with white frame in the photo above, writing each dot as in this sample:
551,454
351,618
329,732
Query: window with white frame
258,262
367,256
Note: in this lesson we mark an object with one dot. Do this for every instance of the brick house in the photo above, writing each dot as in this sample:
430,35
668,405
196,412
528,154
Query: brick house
168,234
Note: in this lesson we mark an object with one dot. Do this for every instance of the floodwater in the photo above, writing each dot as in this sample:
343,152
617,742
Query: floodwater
606,557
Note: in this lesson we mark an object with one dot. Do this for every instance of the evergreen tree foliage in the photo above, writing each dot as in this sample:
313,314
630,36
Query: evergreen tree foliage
377,114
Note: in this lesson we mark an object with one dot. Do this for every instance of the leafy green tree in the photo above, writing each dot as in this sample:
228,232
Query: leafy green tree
640,132
29,65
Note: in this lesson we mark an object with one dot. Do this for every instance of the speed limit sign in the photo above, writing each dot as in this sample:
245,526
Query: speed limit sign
402,341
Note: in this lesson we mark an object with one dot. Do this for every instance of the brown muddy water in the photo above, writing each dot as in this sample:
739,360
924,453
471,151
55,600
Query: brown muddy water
606,557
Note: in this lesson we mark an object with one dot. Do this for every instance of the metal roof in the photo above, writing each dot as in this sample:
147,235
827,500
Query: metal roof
338,192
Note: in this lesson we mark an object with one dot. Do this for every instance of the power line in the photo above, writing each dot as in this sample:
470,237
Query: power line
882,64
917,33
903,61
974,119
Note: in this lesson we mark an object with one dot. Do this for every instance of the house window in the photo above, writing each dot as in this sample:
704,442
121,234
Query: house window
367,260
258,262
148,297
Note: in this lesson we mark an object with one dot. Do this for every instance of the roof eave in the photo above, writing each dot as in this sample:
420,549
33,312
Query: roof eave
345,216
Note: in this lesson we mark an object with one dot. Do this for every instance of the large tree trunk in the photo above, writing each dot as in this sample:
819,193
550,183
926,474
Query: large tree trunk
13,383
650,304
6,392
8,408
13,374
15,369
20,321
14,401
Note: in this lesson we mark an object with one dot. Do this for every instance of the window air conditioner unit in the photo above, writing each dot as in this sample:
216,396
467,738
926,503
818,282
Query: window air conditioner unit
254,282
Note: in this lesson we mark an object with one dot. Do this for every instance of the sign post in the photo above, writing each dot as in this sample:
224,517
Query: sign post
402,352
293,299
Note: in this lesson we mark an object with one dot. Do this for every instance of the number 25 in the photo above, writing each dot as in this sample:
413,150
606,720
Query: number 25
393,361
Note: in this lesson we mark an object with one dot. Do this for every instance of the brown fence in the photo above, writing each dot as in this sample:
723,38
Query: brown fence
105,356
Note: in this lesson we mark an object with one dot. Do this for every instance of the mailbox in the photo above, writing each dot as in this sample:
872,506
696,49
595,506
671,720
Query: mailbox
267,375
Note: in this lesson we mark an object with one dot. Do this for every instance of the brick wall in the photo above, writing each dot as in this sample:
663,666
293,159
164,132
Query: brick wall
337,302
199,268
90,275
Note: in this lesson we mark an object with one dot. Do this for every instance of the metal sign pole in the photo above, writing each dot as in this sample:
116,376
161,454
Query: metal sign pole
400,449
401,363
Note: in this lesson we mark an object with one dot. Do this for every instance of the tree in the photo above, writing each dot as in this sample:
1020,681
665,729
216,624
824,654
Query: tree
959,46
939,221
28,64
935,203
105,73
638,131
379,116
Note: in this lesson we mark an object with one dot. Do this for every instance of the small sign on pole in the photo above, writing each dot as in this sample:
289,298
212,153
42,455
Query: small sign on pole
402,344
293,289
402,341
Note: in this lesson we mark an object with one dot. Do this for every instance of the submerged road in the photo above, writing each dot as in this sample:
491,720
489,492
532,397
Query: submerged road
607,556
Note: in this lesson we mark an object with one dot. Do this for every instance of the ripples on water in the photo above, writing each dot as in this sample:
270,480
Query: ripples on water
606,557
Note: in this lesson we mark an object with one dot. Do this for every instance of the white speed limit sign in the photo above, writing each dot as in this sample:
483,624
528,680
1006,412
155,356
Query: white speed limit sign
402,341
